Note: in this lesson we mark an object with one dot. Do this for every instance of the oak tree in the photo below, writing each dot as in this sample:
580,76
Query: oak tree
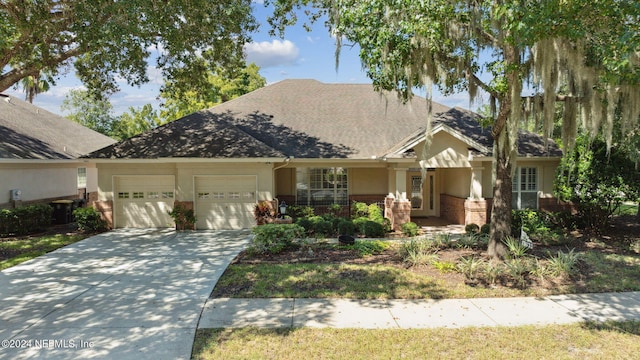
518,52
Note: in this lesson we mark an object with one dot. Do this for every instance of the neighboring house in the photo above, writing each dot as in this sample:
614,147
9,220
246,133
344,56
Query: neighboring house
39,154
309,143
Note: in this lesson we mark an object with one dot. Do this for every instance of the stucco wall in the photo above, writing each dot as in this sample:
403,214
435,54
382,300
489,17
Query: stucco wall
456,182
184,175
445,152
368,181
44,181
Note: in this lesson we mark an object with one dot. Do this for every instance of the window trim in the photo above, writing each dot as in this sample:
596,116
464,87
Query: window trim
337,185
517,190
81,184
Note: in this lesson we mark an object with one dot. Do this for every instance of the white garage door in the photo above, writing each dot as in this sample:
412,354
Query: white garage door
225,202
144,201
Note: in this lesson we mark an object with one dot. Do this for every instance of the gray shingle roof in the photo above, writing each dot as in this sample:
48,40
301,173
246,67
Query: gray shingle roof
304,119
298,118
28,132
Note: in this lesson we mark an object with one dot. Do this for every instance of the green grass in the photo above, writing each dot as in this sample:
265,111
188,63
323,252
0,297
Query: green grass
606,271
577,341
329,281
627,209
21,250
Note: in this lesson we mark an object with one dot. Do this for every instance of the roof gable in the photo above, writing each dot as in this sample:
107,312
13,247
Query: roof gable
29,132
465,126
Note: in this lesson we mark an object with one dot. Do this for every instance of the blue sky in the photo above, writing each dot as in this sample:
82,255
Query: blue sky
299,55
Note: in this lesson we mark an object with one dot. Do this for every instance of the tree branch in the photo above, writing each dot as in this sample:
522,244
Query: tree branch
14,75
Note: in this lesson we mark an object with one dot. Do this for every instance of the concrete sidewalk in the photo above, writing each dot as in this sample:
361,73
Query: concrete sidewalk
405,314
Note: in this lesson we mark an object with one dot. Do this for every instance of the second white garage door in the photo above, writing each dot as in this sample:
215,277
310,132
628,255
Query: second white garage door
225,202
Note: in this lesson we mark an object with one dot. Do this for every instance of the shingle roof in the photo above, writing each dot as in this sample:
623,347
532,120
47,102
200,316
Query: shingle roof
298,118
306,119
466,124
29,132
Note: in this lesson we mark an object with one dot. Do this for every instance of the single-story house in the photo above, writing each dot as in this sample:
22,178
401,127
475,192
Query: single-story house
39,154
310,143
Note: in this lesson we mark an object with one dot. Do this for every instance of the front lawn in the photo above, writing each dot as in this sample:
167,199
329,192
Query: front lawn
14,251
577,341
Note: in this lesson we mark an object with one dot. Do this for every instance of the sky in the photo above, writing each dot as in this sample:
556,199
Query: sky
298,55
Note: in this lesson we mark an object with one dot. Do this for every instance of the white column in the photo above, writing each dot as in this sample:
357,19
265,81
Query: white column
401,183
475,190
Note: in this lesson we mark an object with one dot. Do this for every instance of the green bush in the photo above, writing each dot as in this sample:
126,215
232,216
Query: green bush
359,224
275,238
89,219
306,224
373,229
323,228
376,214
298,212
485,229
25,219
368,247
359,209
346,227
418,251
471,228
410,229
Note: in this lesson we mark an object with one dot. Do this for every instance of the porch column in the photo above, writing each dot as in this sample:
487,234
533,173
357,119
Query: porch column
475,189
400,190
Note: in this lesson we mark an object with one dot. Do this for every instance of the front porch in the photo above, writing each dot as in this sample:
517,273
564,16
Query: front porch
436,225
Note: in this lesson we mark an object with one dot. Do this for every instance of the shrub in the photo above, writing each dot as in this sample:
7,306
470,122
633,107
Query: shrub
368,247
485,229
359,224
298,212
563,264
376,214
469,266
410,229
323,228
275,238
184,218
264,212
25,219
306,224
359,209
515,246
89,219
373,229
346,227
471,228
417,252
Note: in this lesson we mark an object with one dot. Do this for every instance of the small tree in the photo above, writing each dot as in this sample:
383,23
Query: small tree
597,181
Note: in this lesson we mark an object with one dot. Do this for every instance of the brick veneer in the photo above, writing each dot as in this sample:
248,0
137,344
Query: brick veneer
105,208
397,211
452,208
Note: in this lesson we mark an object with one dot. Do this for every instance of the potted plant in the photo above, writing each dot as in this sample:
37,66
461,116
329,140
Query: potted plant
184,218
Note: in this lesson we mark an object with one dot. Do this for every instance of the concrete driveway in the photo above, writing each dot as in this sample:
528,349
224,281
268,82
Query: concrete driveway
126,294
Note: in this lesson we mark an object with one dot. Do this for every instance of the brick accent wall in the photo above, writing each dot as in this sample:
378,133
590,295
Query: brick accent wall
475,212
452,208
369,199
105,208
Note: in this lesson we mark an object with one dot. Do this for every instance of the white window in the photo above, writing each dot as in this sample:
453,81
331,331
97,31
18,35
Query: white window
525,188
138,195
416,192
82,178
123,195
153,195
167,194
321,186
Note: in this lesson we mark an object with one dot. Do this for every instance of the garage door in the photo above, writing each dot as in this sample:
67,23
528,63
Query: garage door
225,202
144,201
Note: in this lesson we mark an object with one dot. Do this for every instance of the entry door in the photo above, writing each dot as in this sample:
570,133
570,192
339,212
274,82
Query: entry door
225,202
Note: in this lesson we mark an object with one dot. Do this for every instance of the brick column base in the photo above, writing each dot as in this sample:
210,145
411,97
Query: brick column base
105,208
397,211
475,212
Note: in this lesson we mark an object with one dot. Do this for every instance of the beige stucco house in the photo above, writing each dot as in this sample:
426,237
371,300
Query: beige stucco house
39,154
310,143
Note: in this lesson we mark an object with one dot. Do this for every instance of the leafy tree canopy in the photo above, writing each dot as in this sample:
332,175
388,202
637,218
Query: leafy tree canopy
111,39
593,46
220,86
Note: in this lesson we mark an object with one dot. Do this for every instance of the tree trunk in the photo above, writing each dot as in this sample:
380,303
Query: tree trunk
501,207
638,213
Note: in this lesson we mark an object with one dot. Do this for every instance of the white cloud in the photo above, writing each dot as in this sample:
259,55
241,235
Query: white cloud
270,54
